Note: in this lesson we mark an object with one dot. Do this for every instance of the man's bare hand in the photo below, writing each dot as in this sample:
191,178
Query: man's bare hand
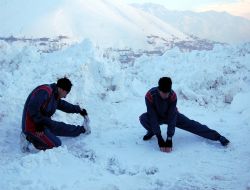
166,149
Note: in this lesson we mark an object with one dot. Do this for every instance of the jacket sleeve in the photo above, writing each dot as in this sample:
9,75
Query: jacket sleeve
36,102
172,114
152,114
67,107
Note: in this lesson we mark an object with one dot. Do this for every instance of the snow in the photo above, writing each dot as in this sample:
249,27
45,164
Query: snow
114,156
213,87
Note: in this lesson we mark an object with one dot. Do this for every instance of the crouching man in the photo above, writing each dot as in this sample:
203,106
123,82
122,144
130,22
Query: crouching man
161,109
37,126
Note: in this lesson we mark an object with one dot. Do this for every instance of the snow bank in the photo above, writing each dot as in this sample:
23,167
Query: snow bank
114,155
45,170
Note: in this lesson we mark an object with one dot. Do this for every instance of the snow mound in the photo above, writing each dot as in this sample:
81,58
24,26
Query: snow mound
114,155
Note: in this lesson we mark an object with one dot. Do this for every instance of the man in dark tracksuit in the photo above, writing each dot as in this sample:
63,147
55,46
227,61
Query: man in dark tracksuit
161,109
40,105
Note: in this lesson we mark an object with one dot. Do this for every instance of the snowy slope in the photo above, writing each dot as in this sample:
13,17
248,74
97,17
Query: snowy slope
213,87
216,26
107,23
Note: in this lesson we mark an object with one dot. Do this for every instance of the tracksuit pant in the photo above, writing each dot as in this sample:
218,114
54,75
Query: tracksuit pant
184,123
49,138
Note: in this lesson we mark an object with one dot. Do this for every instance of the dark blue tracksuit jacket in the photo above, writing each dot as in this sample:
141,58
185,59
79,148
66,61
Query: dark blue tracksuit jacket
40,105
161,111
164,111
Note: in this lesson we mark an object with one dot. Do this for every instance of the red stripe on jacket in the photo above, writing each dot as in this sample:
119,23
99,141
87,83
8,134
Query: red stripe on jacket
30,125
149,97
173,97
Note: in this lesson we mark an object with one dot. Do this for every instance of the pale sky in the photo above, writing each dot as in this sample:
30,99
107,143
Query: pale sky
235,7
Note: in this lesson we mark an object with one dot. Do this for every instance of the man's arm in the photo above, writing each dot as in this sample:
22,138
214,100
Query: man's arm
68,107
152,114
154,122
172,114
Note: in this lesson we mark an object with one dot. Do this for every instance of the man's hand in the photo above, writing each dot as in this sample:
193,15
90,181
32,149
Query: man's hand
169,144
83,112
161,143
166,149
165,146
86,125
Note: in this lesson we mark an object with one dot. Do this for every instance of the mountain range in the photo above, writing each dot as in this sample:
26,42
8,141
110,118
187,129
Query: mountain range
116,24
211,25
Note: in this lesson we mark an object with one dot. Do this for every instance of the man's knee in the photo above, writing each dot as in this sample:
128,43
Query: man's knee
48,141
57,142
53,144
44,141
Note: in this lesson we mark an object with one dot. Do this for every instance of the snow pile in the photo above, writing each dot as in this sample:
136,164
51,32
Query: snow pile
40,165
241,105
212,86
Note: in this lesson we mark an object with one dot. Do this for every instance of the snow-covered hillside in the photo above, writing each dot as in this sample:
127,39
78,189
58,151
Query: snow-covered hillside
216,26
107,23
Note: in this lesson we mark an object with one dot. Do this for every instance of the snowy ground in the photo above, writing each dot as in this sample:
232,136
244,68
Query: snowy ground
212,87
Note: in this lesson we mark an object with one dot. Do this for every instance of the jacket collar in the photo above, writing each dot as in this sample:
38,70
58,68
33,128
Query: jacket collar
55,90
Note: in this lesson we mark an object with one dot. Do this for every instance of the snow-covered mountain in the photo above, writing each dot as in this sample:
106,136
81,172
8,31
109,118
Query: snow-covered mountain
216,26
107,23
122,31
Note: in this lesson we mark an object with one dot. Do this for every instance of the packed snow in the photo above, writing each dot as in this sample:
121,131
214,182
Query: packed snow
212,86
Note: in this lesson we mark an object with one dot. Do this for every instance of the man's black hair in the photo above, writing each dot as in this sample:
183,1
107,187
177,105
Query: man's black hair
64,83
165,84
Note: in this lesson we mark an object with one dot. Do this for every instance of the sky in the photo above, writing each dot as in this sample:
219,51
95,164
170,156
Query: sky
234,7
